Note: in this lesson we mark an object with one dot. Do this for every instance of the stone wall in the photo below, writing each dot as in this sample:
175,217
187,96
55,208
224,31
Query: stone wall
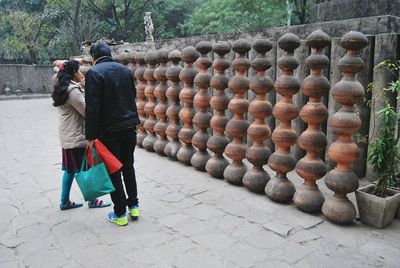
368,26
348,9
26,78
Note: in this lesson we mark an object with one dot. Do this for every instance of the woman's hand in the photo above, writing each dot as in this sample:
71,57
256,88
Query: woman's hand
90,144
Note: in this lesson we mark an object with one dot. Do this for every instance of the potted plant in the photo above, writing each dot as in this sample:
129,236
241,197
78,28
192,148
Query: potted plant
379,202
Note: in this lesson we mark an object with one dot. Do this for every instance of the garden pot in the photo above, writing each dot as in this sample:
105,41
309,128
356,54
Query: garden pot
397,216
374,210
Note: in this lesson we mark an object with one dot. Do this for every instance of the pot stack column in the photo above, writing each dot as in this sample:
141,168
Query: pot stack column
172,147
189,55
219,103
131,58
151,138
308,197
162,106
256,178
279,188
237,126
202,102
141,97
348,92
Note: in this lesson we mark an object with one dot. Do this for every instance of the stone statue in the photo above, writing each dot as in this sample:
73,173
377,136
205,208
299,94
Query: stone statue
7,90
148,27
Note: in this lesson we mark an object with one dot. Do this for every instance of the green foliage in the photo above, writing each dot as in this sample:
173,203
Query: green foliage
30,33
170,21
23,5
77,23
50,29
383,153
301,10
58,48
125,17
13,49
219,16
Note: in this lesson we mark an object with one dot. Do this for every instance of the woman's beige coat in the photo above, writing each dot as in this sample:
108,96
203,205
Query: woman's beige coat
71,129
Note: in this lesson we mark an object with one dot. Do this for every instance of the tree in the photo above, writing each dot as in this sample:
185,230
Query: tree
169,21
70,14
29,6
78,23
38,30
29,34
301,10
218,16
124,16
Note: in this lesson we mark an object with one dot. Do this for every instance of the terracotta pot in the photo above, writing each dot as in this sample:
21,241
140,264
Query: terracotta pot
374,210
174,126
217,164
397,216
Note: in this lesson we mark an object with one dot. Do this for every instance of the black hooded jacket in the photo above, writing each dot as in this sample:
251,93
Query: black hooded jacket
110,99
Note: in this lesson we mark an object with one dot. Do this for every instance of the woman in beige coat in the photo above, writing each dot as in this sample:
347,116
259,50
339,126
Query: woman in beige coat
69,98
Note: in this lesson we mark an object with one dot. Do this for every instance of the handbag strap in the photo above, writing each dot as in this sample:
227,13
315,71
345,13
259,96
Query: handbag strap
95,157
84,160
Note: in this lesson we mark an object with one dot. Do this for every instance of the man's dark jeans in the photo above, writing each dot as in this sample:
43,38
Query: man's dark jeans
122,145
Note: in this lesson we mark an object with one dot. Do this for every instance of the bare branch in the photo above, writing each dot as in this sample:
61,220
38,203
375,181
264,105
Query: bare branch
66,12
39,30
103,13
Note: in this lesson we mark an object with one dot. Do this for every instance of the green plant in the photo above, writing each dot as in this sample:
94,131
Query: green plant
383,153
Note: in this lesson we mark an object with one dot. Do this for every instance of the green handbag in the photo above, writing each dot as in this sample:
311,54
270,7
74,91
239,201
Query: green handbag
93,181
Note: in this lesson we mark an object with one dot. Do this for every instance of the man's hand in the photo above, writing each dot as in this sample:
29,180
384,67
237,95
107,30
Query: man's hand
90,144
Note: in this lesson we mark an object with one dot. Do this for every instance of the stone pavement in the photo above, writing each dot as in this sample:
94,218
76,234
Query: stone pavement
188,218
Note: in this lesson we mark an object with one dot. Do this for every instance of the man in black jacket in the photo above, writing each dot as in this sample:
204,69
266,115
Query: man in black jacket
111,116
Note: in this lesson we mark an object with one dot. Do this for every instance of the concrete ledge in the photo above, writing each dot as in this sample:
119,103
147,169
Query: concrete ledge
24,97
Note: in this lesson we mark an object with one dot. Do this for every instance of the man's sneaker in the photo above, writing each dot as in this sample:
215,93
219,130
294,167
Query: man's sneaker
120,221
134,212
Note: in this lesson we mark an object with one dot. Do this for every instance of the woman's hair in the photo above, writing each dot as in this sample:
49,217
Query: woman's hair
100,49
64,77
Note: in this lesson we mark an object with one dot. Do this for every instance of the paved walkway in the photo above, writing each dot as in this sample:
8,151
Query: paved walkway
188,218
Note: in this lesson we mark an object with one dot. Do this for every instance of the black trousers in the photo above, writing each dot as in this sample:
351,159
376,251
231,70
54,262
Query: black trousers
122,145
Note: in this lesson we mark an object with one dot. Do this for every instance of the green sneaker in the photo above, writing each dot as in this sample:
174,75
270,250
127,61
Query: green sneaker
120,221
134,212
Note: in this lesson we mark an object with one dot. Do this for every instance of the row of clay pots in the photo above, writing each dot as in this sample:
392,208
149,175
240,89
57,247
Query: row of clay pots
189,143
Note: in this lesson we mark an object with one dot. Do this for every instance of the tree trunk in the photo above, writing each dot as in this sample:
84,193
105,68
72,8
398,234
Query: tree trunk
300,10
32,55
303,11
289,13
119,29
75,42
127,4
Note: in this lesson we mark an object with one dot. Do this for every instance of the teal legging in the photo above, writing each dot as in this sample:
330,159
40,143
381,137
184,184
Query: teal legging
67,180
